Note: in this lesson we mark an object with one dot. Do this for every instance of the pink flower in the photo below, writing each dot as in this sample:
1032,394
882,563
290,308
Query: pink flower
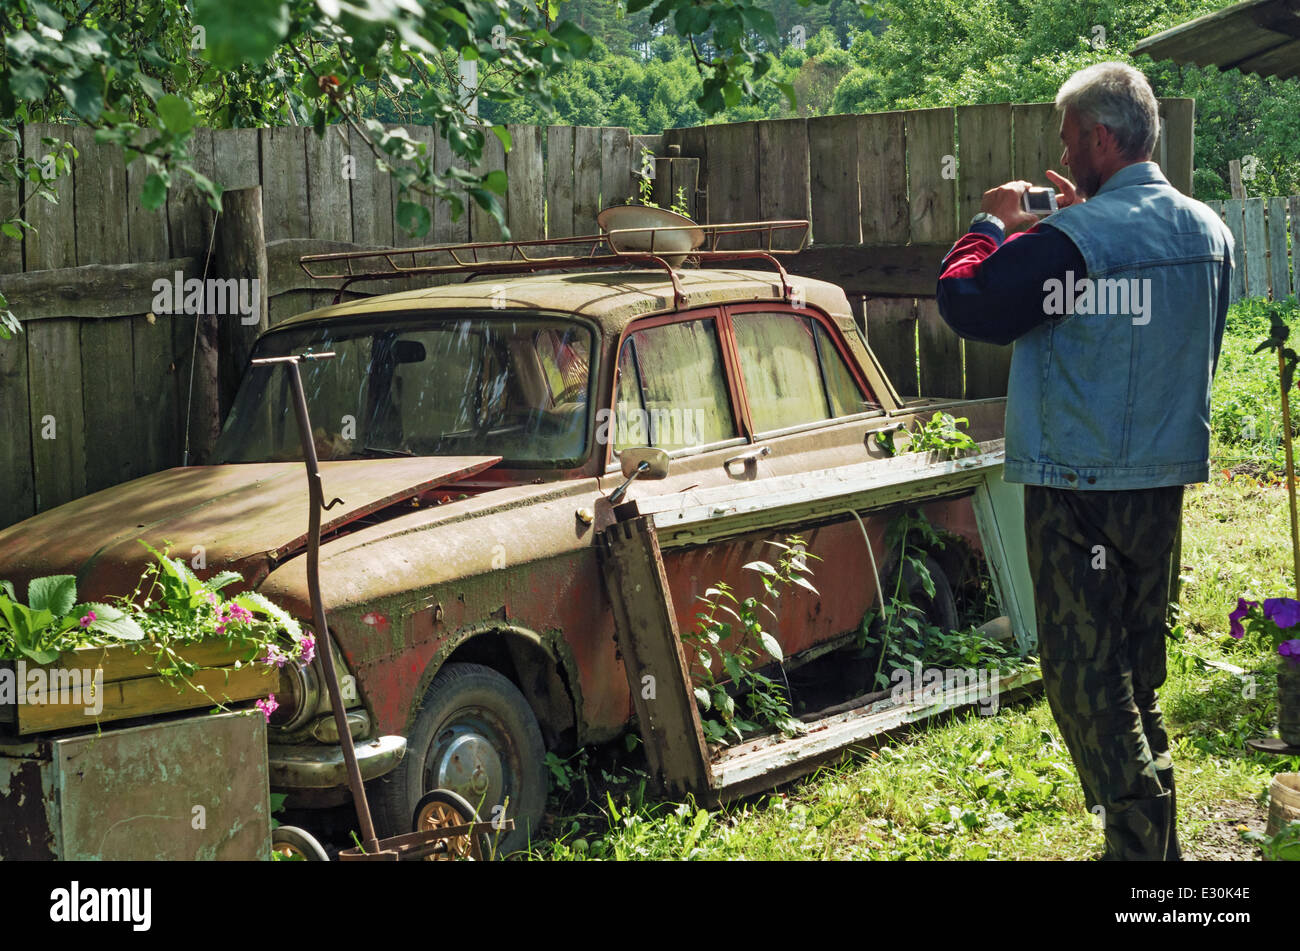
274,656
267,706
88,619
213,599
308,645
240,614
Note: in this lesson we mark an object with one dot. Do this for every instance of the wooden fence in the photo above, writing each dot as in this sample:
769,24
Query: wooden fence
887,194
94,392
1260,226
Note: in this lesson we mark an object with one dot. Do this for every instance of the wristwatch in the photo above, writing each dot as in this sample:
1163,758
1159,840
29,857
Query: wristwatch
991,219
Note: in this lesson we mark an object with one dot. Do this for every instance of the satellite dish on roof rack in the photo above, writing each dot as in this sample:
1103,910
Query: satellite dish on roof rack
647,228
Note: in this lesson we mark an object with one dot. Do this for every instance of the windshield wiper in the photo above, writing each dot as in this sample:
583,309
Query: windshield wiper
386,452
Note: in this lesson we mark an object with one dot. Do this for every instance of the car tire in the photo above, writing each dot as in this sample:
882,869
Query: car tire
941,610
295,843
476,736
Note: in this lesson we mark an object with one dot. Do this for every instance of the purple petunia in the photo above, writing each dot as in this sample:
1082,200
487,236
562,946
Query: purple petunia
1284,612
1290,650
1237,616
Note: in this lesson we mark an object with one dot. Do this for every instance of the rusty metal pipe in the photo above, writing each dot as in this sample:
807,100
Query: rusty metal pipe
317,503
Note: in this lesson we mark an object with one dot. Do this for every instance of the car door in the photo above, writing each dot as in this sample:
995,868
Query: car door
736,398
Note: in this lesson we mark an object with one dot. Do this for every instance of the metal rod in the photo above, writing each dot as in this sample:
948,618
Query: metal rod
1290,469
317,503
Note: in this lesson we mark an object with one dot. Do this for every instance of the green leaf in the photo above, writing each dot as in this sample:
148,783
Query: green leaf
414,218
177,114
760,566
27,83
771,645
85,94
702,696
154,192
54,593
241,31
503,134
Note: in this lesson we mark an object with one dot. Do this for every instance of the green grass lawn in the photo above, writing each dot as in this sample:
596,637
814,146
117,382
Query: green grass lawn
1003,786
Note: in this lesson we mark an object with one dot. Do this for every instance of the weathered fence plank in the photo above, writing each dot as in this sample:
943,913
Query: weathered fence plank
372,196
882,178
1233,210
586,178
482,226
524,167
734,185
932,190
1279,270
329,193
616,166
236,158
189,215
1293,209
58,420
1256,248
782,166
559,181
52,240
833,179
891,334
11,250
1179,117
940,351
18,500
285,182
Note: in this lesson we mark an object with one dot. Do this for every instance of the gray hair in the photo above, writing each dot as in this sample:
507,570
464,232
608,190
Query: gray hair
1119,97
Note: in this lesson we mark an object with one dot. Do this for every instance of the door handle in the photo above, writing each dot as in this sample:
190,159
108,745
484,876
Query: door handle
748,457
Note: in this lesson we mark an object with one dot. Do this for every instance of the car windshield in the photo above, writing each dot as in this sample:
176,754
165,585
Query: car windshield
460,384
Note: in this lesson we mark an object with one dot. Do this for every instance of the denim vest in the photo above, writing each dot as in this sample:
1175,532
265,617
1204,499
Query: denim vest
1115,393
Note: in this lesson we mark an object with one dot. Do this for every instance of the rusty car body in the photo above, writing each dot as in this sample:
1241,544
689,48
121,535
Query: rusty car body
459,573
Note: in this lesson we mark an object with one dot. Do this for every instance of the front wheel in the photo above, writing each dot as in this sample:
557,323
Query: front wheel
476,736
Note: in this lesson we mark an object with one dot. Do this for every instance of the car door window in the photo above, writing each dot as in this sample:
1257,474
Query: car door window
792,371
672,390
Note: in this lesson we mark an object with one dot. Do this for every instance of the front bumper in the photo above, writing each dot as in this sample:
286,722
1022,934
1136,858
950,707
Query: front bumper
322,767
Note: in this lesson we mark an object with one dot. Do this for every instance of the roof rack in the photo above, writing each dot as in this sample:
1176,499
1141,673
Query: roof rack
503,257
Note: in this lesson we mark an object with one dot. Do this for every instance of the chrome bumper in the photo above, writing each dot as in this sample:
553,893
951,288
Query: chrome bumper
322,767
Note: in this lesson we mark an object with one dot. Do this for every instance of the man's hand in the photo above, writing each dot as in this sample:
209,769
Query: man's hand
1004,201
1065,193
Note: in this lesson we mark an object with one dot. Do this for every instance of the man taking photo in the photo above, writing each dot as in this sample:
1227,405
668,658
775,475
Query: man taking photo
1116,305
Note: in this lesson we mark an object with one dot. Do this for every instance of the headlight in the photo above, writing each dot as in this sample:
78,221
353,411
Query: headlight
300,694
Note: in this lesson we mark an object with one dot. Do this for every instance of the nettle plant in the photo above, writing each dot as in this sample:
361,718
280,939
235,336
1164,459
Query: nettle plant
171,608
899,631
732,635
941,434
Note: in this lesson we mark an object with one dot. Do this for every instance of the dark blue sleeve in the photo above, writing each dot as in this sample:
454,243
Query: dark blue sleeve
991,290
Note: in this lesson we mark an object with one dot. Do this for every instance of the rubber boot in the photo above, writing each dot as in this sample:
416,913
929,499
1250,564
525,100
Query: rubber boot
1172,853
1137,830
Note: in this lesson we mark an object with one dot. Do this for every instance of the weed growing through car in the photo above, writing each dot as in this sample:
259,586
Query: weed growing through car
742,643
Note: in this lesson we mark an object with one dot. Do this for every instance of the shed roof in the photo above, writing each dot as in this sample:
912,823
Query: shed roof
1257,36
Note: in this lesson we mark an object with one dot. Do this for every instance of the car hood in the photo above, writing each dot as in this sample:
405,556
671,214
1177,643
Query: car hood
248,517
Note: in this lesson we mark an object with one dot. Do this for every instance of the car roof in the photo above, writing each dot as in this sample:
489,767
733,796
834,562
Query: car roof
610,298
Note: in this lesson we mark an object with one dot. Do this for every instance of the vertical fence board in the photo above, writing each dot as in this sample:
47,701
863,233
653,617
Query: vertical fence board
189,216
1279,267
782,165
984,153
445,230
932,198
52,240
527,195
235,155
891,335
18,500
1179,116
616,166
586,178
1256,245
58,424
11,250
882,178
1293,209
939,350
284,182
372,196
1036,141
733,189
329,193
1233,210
482,226
559,181
421,135
833,179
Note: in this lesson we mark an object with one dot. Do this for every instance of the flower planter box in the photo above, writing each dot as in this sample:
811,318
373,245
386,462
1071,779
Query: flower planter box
70,692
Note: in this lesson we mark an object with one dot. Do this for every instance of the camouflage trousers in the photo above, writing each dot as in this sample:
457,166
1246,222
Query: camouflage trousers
1100,563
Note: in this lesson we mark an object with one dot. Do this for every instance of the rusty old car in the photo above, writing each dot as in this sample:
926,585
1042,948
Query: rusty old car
473,434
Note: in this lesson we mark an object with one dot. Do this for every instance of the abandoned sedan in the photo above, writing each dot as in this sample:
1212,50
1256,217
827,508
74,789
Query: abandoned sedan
475,434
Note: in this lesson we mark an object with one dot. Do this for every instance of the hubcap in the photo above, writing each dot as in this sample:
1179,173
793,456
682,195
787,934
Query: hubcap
468,763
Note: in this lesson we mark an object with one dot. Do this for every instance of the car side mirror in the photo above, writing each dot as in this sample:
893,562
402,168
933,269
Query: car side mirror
651,463
656,460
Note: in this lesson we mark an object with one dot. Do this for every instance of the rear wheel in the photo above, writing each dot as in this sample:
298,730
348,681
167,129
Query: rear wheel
476,736
295,844
441,809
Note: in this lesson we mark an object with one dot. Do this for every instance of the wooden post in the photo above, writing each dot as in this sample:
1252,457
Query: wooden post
239,254
645,628
1234,179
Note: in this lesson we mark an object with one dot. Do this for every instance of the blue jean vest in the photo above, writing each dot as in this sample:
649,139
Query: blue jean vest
1113,390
